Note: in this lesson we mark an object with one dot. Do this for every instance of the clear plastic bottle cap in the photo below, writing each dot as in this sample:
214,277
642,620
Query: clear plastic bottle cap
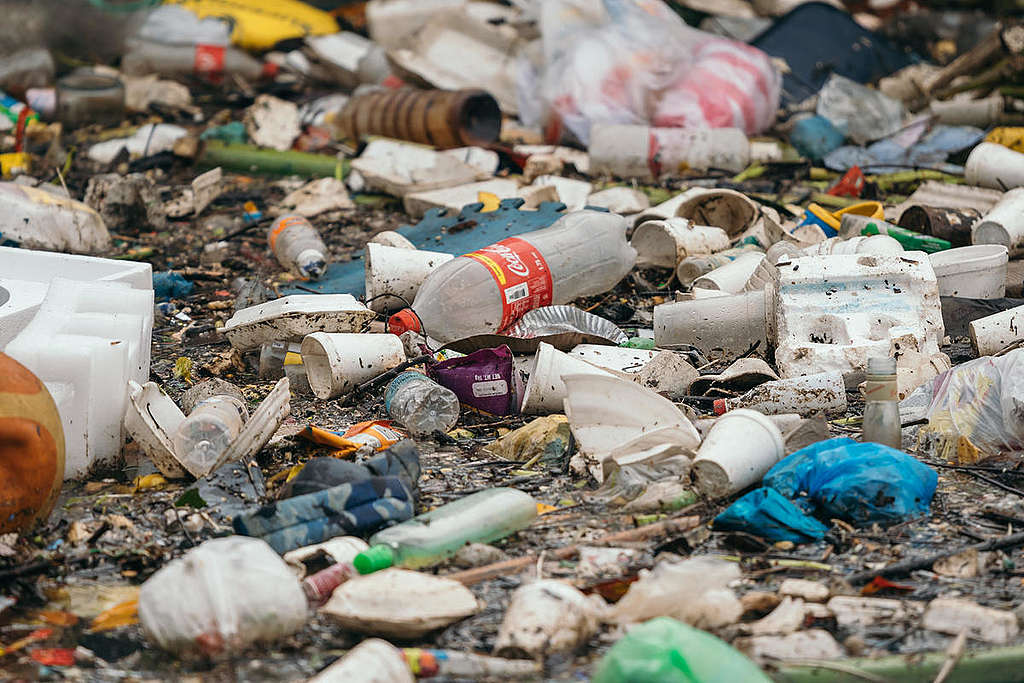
881,366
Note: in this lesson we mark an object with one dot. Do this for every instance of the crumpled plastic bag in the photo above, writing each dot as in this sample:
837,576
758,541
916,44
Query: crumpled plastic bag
640,64
221,597
766,513
983,400
861,483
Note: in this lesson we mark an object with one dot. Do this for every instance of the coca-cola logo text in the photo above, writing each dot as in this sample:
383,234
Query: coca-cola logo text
511,259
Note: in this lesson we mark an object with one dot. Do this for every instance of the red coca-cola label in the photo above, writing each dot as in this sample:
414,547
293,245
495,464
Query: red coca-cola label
209,61
522,275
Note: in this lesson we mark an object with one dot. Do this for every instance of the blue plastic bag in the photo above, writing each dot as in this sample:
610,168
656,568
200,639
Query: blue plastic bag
858,482
769,515
861,483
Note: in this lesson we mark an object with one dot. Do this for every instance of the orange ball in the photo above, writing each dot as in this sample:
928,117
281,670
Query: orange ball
31,448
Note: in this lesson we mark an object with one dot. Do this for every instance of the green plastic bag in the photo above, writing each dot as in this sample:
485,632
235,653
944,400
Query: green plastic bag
669,651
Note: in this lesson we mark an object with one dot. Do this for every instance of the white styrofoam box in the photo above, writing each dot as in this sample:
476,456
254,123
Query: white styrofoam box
86,341
833,312
25,276
291,318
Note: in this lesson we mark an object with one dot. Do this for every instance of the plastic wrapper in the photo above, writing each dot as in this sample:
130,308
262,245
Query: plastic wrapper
983,402
859,112
221,597
638,63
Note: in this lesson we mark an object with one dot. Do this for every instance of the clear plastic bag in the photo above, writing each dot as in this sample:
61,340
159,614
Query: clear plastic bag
638,63
221,597
983,401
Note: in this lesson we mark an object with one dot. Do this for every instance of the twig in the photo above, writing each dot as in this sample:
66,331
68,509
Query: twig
907,566
382,378
954,653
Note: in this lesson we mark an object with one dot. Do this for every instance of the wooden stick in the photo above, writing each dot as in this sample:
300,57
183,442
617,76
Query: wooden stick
907,566
643,533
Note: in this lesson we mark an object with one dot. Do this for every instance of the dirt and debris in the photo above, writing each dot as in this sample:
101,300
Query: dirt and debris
192,186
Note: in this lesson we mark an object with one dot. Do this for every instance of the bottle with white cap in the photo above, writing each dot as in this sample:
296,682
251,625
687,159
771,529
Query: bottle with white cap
298,246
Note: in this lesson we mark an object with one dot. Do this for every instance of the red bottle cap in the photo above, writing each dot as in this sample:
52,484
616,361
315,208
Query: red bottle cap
269,70
720,407
403,321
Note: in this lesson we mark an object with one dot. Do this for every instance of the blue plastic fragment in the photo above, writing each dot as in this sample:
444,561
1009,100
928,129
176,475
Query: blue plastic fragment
445,231
170,285
768,514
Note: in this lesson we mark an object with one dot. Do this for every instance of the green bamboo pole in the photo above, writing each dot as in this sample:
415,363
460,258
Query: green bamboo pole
250,159
1000,665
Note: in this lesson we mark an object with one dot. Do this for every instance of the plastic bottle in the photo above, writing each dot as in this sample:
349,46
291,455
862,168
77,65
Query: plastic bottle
298,246
420,404
212,62
209,429
882,410
581,254
428,539
806,395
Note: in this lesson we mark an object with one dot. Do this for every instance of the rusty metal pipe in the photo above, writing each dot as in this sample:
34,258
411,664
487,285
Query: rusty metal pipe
442,118
948,224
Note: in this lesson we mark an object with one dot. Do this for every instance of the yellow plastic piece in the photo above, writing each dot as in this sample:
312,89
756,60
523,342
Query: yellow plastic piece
490,201
14,161
1012,137
260,24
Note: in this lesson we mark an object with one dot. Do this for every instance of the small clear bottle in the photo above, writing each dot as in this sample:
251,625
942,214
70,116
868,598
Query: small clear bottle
882,409
209,429
429,538
420,404
298,246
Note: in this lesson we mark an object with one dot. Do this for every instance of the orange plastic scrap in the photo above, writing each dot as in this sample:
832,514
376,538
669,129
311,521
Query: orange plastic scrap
123,614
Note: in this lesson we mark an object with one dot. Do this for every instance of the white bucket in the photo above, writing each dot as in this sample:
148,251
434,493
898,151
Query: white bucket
665,243
731,322
1004,224
397,271
390,238
338,363
992,334
738,451
975,272
995,166
545,391
732,277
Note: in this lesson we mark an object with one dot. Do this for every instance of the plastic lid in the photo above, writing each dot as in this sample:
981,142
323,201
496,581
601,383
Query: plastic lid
403,321
374,559
719,406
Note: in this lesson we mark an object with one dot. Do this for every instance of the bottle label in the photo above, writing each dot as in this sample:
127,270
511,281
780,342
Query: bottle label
209,60
397,383
884,390
522,274
280,226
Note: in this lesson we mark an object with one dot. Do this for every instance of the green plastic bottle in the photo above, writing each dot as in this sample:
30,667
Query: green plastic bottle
428,539
669,651
911,241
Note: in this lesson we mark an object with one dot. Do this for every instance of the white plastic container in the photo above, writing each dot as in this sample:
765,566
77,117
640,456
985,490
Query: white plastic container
859,244
732,322
371,661
397,271
974,272
643,152
614,357
831,313
995,166
545,391
545,617
338,363
85,342
738,451
293,317
733,276
1004,224
582,254
665,243
992,334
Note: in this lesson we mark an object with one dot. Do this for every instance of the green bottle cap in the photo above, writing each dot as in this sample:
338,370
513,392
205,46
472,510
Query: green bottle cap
374,559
